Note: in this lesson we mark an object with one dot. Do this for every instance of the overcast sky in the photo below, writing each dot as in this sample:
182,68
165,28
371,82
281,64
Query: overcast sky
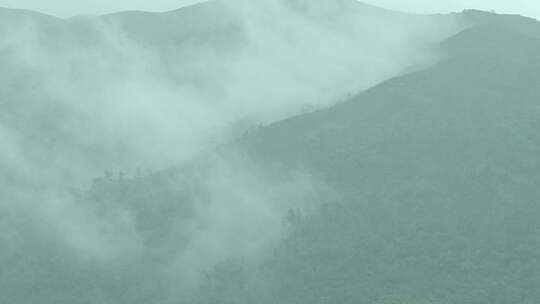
65,8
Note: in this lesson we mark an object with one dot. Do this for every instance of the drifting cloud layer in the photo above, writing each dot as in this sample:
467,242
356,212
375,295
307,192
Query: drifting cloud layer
94,94
99,95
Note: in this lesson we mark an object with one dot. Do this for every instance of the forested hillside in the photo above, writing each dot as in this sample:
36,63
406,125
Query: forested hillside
421,189
437,175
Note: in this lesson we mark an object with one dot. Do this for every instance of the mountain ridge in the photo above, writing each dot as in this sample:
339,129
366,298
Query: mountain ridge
426,191
436,173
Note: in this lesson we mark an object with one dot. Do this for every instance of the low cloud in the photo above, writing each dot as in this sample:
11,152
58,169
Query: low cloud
91,95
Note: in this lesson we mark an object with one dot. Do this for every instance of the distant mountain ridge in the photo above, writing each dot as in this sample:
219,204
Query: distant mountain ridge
203,18
195,50
215,18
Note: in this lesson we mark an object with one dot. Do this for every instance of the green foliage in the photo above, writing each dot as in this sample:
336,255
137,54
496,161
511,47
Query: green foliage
435,176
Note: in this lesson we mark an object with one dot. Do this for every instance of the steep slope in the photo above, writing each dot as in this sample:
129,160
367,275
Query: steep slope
488,71
433,188
434,196
80,96
437,175
129,72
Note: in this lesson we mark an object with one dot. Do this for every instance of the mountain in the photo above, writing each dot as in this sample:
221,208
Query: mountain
127,73
425,184
487,70
436,173
207,22
210,21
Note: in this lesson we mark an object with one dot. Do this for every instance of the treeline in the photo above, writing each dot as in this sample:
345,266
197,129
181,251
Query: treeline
360,252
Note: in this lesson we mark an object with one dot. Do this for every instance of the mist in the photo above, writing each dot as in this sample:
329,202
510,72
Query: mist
125,94
152,106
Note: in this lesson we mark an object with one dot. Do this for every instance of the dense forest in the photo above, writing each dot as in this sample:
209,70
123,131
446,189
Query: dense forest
421,189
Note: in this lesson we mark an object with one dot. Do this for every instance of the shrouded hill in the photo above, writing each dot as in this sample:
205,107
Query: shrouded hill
434,180
84,94
437,174
468,104
207,18
214,22
208,22
142,79
434,196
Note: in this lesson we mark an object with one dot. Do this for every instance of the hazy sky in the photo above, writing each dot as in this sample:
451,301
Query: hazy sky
69,7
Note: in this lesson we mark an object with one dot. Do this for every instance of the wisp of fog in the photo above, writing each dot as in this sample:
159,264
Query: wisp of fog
136,91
